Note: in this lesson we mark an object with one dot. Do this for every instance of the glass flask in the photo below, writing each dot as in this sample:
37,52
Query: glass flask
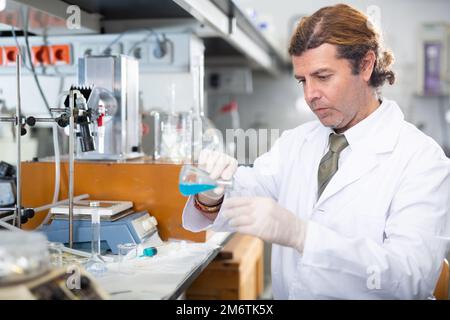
194,180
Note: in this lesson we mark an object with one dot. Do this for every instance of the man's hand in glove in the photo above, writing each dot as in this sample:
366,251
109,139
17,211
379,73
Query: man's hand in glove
265,219
218,165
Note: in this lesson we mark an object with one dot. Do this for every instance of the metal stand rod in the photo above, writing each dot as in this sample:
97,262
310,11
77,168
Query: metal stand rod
18,136
8,119
19,121
44,119
57,109
71,165
9,227
11,217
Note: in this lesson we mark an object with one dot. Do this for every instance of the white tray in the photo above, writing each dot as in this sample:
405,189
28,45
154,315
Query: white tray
105,208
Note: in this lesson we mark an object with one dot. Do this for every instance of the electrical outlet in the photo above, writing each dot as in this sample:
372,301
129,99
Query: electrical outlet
88,49
106,49
41,55
10,55
229,80
61,54
140,52
160,55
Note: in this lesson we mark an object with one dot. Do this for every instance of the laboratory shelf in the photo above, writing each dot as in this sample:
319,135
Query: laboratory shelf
229,36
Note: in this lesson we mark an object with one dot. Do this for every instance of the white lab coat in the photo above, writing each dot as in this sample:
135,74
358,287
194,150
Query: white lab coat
381,228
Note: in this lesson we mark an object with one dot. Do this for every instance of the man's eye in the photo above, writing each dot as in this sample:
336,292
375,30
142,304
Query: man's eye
301,81
323,78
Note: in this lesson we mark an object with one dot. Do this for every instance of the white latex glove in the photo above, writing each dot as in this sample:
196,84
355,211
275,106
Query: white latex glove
265,219
218,165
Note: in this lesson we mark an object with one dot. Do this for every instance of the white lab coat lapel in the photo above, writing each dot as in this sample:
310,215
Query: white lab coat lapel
357,165
311,150
366,156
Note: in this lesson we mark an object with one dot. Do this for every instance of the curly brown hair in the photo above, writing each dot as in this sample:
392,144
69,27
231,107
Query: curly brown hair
352,33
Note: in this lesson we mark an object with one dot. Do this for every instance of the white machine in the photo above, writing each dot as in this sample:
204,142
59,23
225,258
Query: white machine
118,224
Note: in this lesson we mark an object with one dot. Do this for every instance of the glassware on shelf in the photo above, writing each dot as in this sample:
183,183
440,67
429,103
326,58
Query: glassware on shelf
176,135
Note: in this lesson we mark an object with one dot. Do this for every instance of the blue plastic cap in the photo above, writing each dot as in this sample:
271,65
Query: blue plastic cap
149,252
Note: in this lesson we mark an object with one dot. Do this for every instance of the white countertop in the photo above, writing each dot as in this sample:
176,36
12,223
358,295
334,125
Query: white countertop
165,275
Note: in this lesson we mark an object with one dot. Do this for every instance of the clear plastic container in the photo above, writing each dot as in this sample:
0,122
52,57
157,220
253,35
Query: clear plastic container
23,255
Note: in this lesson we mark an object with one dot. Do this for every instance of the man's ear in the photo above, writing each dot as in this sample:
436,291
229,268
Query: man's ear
367,65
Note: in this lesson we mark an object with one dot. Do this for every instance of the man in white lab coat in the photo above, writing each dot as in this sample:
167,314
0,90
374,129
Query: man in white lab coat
356,203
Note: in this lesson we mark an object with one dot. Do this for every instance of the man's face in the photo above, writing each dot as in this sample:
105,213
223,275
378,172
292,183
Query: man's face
332,92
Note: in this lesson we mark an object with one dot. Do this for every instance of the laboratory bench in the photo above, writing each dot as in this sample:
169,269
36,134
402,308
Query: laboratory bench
226,267
167,275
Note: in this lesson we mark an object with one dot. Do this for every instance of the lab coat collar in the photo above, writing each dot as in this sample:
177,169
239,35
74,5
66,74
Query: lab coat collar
378,133
380,136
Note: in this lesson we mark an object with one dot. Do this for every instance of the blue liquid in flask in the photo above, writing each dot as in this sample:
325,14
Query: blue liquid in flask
189,189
